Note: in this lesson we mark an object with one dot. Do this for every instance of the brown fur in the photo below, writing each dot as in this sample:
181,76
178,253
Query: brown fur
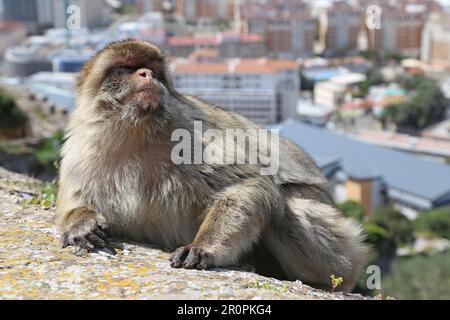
117,175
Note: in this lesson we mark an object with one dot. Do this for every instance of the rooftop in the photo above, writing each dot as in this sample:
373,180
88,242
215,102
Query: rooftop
8,26
261,65
402,171
213,39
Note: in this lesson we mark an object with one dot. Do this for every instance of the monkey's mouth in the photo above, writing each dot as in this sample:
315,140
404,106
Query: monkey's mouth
147,100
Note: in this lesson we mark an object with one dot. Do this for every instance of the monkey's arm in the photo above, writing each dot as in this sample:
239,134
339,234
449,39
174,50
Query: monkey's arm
79,225
231,226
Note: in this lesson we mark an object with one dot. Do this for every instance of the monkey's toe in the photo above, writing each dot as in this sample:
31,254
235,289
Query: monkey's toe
176,260
191,257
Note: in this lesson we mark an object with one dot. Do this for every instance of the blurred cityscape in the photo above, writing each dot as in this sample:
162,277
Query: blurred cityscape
362,85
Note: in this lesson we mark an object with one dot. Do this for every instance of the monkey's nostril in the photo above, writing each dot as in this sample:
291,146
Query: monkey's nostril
145,73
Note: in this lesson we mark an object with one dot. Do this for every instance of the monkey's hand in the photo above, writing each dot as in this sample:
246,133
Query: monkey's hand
85,229
233,223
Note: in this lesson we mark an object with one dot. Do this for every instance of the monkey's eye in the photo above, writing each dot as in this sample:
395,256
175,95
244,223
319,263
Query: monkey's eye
124,68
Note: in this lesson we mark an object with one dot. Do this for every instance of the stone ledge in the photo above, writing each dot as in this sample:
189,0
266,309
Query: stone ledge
32,265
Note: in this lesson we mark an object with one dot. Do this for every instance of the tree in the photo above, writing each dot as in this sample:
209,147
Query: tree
351,209
306,84
427,106
370,55
373,78
397,228
434,222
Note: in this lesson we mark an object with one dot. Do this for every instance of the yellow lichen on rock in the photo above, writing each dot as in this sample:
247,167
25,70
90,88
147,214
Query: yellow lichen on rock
33,266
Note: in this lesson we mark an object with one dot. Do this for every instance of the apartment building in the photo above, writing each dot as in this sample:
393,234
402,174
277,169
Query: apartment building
195,10
340,25
228,44
36,15
288,27
263,90
401,25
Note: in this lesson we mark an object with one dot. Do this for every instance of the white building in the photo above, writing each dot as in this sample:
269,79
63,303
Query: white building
329,94
58,88
263,90
436,40
333,93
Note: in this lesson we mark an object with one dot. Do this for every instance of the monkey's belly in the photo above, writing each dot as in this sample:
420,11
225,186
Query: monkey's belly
163,227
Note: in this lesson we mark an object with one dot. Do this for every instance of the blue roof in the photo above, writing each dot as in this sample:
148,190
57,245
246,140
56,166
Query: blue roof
399,170
323,74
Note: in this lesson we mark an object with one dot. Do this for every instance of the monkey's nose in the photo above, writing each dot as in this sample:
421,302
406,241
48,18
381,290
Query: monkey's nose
144,73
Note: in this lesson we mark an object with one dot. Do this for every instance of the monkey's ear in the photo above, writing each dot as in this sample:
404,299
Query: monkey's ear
165,75
166,79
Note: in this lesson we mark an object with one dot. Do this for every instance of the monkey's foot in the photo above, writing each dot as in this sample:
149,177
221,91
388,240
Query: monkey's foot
190,257
86,233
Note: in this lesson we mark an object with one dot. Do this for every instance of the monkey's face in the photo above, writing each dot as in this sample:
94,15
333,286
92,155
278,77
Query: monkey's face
128,81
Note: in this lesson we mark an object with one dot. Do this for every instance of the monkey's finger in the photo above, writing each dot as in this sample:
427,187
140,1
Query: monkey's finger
192,259
97,241
99,233
64,241
178,257
103,225
174,254
85,244
202,265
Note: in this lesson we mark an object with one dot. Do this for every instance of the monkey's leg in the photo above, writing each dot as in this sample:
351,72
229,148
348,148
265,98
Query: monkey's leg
231,226
83,228
314,241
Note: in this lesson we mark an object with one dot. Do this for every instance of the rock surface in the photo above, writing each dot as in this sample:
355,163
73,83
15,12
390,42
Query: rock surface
33,266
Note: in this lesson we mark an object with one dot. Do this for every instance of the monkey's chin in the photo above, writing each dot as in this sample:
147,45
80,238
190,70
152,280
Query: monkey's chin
139,112
146,101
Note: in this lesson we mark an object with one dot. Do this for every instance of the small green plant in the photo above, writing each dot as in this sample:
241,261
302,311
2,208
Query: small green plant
266,286
47,196
48,152
380,297
336,282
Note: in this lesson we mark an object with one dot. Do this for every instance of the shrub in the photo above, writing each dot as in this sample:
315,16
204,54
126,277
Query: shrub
48,152
435,222
10,115
351,209
419,277
391,225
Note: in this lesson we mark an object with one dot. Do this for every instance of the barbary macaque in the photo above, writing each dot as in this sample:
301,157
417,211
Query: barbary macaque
118,179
